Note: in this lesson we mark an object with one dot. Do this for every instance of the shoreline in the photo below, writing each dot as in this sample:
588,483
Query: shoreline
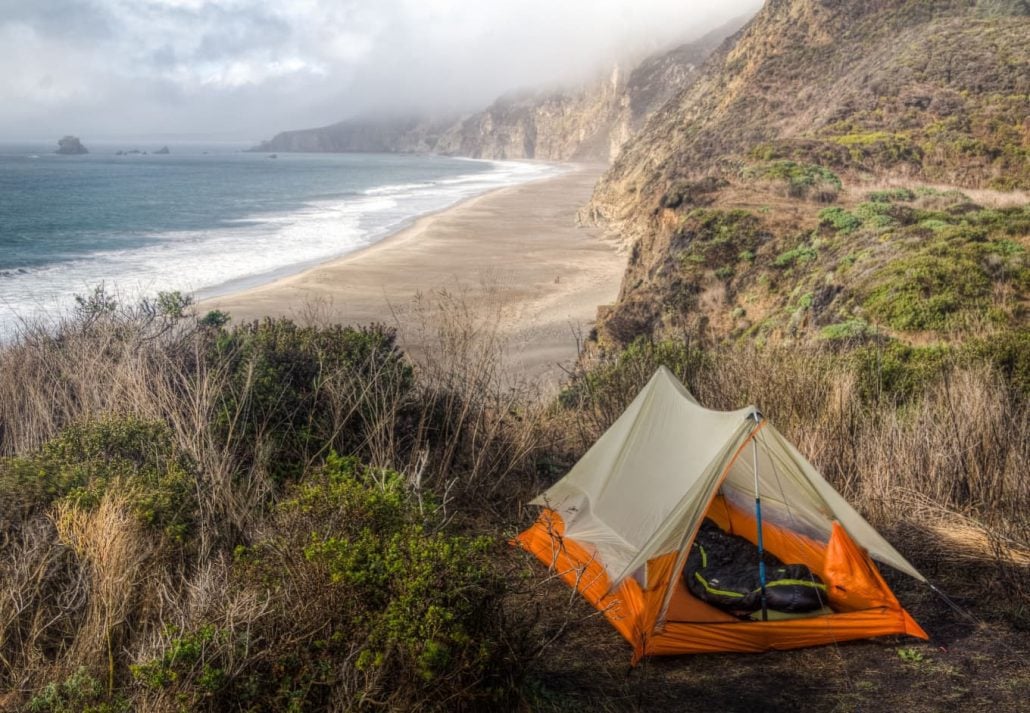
248,283
514,255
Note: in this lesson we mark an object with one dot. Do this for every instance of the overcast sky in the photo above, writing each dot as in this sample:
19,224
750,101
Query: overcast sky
245,69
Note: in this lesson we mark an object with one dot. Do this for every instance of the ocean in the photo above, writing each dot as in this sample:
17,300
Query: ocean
205,219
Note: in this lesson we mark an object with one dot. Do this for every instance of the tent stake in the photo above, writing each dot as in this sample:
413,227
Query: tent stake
758,522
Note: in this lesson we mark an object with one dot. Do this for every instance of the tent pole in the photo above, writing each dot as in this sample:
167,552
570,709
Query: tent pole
758,522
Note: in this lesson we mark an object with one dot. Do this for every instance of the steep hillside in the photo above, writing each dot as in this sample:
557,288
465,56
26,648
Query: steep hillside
588,123
843,170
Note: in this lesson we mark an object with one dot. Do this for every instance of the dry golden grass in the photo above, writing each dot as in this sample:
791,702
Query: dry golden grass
115,561
962,445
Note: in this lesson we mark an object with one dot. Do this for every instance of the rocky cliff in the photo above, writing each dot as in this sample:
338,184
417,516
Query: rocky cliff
589,123
809,183
932,89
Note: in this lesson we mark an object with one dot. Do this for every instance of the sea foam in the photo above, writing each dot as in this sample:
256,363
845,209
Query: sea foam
244,252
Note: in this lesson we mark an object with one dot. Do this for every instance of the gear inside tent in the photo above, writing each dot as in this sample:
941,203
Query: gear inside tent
623,525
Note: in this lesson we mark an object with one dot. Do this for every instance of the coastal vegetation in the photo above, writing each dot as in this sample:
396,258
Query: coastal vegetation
277,516
179,532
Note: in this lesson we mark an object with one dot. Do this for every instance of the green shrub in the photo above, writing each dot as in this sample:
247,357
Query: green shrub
423,603
897,371
873,149
852,329
927,292
79,693
83,461
950,196
892,195
370,599
187,657
875,215
799,255
716,239
935,224
1012,222
214,319
802,180
840,220
293,384
1008,352
173,305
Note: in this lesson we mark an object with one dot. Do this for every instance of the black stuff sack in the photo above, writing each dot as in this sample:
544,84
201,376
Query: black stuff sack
722,569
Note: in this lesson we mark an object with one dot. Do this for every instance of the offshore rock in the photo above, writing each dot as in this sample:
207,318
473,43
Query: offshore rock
70,146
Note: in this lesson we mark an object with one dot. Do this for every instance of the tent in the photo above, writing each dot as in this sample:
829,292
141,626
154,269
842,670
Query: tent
619,527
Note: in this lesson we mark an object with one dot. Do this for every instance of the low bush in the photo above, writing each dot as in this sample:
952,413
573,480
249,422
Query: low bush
875,214
712,239
927,292
795,256
800,180
850,330
840,220
892,195
370,604
78,693
300,390
84,461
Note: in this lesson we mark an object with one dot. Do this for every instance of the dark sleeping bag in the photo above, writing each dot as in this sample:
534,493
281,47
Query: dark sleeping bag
722,569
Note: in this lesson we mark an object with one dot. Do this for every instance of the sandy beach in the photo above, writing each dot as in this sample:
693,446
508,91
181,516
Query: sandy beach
515,256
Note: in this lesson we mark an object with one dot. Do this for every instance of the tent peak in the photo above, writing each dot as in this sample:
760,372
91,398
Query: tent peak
664,373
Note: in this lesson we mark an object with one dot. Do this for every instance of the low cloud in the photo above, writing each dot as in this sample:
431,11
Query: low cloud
248,68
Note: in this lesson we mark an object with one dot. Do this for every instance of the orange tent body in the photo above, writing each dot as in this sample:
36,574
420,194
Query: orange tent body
863,605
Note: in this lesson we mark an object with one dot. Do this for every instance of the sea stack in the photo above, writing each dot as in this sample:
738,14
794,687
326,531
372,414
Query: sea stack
163,151
70,146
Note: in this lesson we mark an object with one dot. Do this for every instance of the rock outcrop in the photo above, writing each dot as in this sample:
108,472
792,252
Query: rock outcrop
70,146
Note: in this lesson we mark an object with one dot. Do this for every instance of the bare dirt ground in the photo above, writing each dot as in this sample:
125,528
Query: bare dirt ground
966,666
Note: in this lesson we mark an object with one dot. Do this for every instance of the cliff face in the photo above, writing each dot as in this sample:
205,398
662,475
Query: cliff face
585,124
794,189
905,82
589,123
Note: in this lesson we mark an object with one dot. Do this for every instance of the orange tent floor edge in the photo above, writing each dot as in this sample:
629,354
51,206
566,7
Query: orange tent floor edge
574,566
624,609
757,637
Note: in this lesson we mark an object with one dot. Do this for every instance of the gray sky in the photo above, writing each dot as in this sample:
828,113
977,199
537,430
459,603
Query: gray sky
246,69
